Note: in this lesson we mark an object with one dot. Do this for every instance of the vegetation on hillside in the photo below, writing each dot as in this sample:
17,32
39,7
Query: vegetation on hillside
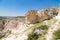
56,35
2,17
39,26
45,25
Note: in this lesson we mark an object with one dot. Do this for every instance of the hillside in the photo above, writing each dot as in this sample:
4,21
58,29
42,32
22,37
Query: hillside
15,28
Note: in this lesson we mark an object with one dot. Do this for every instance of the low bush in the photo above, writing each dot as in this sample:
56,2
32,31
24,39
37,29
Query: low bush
35,36
56,35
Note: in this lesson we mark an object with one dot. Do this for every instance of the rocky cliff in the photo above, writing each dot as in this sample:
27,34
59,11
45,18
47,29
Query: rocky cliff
34,16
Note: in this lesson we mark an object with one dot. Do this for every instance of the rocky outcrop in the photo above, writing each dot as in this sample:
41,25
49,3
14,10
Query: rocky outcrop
11,26
12,29
34,16
31,16
3,31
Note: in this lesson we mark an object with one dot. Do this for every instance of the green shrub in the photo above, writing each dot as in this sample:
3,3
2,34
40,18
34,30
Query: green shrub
43,27
56,35
33,36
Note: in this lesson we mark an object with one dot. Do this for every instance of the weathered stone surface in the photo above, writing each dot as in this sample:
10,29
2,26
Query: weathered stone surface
31,16
3,31
34,16
11,26
40,31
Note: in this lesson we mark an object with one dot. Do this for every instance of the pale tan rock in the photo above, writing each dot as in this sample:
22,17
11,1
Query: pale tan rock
34,16
42,15
31,16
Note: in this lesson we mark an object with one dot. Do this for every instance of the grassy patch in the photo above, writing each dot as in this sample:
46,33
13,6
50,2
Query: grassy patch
56,35
34,36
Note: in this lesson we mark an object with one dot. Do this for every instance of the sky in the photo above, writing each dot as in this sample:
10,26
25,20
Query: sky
20,7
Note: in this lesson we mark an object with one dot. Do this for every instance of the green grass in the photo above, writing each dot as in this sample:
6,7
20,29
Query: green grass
56,35
33,36
41,37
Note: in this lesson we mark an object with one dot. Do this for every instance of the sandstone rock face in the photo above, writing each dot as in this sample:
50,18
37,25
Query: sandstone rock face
31,16
34,16
42,15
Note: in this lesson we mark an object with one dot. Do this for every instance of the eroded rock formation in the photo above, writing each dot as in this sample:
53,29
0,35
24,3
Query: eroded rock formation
34,16
3,31
15,27
11,26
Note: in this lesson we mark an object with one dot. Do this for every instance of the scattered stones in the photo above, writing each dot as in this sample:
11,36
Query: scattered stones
39,31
